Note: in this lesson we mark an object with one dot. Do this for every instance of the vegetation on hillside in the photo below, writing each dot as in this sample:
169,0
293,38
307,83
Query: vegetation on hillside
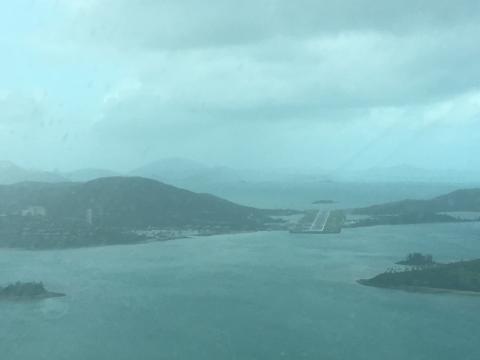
417,259
436,210
113,210
461,276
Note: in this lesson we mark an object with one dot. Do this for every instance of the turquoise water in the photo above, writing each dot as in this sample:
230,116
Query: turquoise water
268,295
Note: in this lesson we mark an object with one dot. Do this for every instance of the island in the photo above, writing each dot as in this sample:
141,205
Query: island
26,291
461,276
322,202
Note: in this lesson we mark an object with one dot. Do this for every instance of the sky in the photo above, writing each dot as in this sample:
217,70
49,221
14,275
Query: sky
307,84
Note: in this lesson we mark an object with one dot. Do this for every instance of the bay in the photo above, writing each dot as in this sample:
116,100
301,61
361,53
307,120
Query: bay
265,295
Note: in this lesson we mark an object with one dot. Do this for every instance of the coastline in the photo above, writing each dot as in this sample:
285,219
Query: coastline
421,289
142,242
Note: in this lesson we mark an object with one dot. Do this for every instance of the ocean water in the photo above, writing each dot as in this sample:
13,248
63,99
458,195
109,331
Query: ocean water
266,295
300,195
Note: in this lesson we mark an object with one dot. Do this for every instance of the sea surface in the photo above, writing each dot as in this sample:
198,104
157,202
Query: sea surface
300,195
265,295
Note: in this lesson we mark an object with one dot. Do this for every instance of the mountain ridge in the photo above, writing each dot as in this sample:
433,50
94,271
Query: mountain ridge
127,201
458,200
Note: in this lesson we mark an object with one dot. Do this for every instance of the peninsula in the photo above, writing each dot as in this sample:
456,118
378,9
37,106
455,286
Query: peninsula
457,206
462,276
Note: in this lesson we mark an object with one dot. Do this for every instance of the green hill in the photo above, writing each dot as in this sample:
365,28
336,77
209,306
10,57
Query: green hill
112,211
452,207
128,202
460,200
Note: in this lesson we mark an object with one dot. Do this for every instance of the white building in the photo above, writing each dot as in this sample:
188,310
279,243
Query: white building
34,211
89,216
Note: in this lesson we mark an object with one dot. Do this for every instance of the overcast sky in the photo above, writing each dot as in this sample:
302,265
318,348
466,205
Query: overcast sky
250,84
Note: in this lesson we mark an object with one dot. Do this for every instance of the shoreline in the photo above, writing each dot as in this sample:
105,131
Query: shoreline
421,289
143,242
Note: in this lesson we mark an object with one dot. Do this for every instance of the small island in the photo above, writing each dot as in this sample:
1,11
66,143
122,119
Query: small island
462,276
26,291
322,202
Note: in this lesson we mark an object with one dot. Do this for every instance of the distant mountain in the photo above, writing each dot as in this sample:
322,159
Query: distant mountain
129,202
11,174
170,168
186,173
407,173
84,175
404,173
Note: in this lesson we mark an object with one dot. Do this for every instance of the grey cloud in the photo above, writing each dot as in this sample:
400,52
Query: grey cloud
322,76
191,23
274,57
254,81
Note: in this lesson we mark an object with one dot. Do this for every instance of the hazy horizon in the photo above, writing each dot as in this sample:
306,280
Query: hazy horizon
194,165
264,84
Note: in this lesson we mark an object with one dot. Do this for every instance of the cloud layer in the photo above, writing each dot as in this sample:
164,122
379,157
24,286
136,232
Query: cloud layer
251,83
